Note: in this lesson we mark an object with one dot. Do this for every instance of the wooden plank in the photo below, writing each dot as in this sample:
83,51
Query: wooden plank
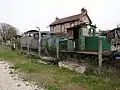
100,57
57,52
90,53
105,53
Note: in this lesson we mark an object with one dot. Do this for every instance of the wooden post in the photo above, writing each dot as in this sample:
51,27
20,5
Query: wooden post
39,45
57,52
16,44
100,56
28,45
11,42
21,44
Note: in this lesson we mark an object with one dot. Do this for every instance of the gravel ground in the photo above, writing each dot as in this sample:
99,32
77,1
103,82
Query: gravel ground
10,80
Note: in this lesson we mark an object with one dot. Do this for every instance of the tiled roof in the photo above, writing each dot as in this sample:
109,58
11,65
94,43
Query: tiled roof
68,19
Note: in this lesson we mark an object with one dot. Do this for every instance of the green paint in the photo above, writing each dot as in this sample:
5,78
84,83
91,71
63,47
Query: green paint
92,43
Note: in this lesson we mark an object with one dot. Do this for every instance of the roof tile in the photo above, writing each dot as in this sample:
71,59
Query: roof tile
68,19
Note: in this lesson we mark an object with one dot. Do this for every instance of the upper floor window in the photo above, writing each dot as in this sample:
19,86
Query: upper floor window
72,24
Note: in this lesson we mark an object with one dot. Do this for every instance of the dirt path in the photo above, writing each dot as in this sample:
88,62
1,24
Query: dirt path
10,81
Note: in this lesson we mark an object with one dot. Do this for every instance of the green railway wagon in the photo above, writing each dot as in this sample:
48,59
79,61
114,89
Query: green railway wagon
66,44
63,44
92,43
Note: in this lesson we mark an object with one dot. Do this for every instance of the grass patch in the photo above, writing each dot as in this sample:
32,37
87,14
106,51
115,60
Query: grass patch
7,54
52,77
52,88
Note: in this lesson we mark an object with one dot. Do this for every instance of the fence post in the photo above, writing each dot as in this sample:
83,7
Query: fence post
16,45
39,43
100,57
57,52
28,48
21,44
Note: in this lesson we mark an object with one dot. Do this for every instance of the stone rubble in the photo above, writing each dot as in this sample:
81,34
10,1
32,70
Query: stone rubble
72,66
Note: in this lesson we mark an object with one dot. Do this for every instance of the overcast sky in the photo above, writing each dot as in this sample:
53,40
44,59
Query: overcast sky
27,14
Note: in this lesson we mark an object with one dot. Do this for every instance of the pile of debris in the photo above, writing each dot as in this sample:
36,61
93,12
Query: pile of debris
79,68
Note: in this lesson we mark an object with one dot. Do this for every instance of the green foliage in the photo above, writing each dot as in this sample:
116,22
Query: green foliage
0,41
7,54
14,67
29,67
51,87
10,33
89,80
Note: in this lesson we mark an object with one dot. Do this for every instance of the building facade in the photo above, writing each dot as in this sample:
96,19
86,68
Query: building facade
64,25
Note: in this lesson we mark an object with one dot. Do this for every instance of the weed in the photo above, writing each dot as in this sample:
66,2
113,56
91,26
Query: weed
14,67
52,87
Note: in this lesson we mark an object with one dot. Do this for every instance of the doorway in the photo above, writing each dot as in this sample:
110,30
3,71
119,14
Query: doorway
76,38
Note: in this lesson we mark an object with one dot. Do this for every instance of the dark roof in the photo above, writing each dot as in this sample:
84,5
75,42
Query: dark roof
68,19
118,29
42,32
31,31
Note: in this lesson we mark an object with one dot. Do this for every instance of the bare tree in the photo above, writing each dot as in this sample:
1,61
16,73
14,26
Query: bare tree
7,31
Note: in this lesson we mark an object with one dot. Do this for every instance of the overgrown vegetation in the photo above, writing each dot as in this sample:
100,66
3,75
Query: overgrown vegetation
52,77
7,31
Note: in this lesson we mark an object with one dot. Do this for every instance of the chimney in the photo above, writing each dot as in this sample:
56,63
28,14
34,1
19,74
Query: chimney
56,18
83,11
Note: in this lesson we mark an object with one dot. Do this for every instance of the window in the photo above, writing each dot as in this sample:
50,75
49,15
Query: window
72,24
31,35
36,36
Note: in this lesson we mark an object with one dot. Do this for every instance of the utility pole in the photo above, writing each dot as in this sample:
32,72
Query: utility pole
39,45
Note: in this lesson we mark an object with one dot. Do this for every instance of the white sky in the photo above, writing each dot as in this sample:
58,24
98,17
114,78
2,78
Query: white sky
27,14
